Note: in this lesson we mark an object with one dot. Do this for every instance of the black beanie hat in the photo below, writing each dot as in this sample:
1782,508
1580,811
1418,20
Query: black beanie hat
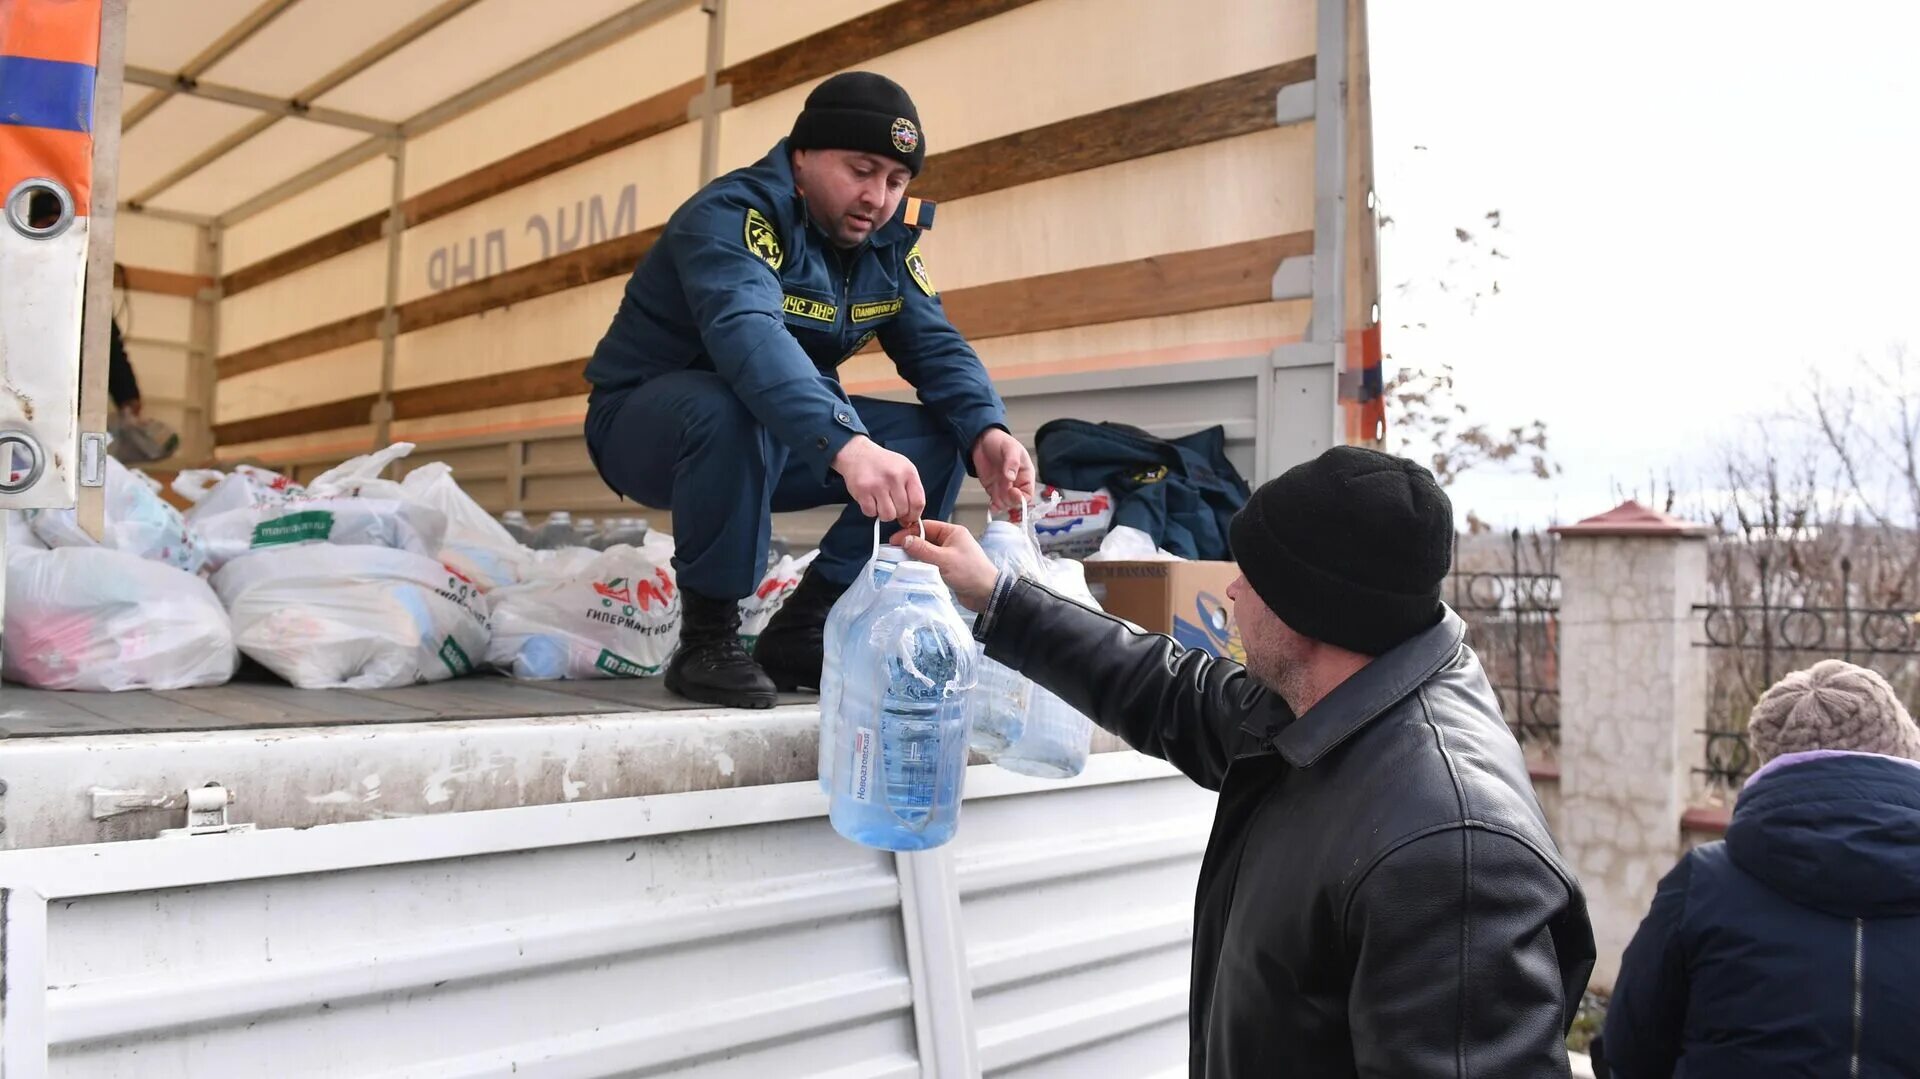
859,110
1349,548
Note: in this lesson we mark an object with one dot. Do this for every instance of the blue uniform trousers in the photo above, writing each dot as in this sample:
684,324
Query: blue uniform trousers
684,442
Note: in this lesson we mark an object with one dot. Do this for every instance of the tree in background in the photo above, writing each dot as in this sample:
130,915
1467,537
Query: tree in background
1427,418
1817,551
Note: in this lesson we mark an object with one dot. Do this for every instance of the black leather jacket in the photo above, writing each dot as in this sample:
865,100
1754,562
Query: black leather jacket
1380,896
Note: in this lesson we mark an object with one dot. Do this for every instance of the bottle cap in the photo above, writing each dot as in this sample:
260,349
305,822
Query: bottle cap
917,573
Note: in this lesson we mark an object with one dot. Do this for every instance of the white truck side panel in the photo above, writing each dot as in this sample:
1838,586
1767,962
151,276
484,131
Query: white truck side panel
713,933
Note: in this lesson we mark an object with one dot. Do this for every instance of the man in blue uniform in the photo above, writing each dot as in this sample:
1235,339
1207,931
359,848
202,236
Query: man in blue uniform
715,394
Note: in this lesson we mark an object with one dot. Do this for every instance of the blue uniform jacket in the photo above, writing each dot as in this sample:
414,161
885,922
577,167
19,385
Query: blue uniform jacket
741,282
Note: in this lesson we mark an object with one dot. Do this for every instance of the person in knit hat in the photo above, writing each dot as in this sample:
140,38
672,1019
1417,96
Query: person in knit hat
1380,895
1789,947
716,392
1832,706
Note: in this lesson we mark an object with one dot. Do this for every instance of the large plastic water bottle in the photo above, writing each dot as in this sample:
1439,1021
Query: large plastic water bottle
515,523
907,668
1056,738
997,709
627,531
851,605
1054,743
556,533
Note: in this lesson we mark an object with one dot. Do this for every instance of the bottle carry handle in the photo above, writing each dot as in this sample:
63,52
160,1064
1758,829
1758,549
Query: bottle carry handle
876,537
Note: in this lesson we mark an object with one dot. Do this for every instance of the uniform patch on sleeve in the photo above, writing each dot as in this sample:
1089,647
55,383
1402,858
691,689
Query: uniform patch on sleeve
762,240
917,266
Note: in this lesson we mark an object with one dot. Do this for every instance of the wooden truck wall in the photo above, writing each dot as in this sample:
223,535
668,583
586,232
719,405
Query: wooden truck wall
1117,192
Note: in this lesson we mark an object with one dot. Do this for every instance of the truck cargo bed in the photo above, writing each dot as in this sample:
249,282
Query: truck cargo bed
258,700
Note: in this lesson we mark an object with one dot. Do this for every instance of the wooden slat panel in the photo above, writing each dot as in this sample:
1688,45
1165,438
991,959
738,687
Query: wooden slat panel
1218,110
642,120
1223,109
329,416
610,258
351,330
1226,276
894,27
312,253
164,282
548,382
1173,284
877,33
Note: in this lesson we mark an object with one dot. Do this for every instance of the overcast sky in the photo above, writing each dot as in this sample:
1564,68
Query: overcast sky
1700,201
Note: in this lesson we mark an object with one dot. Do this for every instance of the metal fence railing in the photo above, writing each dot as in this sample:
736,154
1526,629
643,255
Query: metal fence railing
1511,604
1753,644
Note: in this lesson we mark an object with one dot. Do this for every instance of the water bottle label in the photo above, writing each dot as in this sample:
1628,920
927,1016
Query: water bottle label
865,750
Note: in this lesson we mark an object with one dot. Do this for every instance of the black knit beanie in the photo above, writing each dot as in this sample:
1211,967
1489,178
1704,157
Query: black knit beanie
1349,548
859,110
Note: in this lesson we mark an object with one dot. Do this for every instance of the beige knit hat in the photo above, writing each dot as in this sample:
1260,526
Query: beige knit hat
1832,705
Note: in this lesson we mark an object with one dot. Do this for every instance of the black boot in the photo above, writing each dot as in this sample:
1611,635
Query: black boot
790,649
712,666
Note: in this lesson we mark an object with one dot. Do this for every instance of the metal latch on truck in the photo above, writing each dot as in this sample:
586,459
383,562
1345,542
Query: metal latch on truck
206,808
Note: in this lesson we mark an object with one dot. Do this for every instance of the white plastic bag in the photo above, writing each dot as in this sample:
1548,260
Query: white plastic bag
619,617
557,564
328,616
1126,544
212,491
758,609
356,475
139,522
472,542
346,522
476,544
20,534
90,618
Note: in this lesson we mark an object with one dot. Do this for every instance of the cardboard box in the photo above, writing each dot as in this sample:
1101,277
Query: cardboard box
1185,600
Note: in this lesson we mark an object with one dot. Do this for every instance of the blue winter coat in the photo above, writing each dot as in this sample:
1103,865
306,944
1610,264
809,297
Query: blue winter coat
741,282
1793,947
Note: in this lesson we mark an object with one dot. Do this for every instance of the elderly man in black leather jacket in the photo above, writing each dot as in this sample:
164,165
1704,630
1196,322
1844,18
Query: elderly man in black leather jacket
1380,896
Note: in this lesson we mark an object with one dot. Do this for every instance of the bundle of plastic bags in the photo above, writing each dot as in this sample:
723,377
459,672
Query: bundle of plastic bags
93,618
354,617
138,522
472,542
616,616
252,510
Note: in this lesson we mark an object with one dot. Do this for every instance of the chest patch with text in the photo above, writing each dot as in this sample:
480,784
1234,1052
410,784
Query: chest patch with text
867,312
810,309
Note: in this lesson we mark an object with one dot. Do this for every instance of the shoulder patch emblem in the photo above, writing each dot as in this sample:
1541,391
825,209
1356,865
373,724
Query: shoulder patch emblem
917,266
762,240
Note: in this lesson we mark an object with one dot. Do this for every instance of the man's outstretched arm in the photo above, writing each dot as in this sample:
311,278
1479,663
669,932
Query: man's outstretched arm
1183,706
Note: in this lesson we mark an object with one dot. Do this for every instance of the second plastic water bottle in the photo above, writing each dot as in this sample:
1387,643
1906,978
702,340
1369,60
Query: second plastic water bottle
997,711
905,673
